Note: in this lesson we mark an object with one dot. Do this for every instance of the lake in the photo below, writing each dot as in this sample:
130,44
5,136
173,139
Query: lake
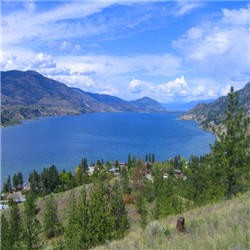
63,141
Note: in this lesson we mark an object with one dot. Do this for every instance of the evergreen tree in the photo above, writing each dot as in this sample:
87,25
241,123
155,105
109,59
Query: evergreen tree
15,225
81,173
197,186
73,229
6,241
7,187
15,181
51,222
53,178
44,181
157,208
34,180
230,153
153,158
129,161
141,208
125,180
31,226
100,218
149,157
118,211
20,179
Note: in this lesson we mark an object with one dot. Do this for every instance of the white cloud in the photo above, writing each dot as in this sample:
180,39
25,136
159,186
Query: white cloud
107,65
184,7
218,49
135,86
213,53
236,16
42,60
178,87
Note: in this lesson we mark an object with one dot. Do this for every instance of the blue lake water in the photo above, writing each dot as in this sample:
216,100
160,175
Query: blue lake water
63,141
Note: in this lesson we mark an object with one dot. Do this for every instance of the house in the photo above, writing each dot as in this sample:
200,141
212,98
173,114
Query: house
91,170
122,164
165,175
149,177
114,171
3,206
17,197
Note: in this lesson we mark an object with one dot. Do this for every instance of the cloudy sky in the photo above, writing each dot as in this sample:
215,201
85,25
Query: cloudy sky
170,51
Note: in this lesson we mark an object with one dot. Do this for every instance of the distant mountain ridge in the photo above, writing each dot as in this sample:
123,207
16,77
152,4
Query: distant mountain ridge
213,113
184,107
29,95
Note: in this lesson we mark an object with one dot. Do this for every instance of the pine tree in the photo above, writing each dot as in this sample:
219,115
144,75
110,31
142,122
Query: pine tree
6,241
7,187
20,179
15,181
125,180
51,222
73,228
100,218
118,211
141,208
230,153
197,185
153,158
31,226
15,225
34,180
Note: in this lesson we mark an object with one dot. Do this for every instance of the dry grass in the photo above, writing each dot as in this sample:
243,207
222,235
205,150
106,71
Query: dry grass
225,225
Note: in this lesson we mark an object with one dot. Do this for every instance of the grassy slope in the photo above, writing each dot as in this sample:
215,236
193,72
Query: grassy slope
224,225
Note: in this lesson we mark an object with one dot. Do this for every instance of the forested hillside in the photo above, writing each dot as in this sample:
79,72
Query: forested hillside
29,95
209,114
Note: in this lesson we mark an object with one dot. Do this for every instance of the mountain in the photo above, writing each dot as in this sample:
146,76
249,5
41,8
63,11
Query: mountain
183,107
29,95
147,104
214,113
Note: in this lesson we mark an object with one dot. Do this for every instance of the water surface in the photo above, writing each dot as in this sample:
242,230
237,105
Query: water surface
63,141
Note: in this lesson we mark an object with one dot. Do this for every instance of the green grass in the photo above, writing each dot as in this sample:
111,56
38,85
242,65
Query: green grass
225,225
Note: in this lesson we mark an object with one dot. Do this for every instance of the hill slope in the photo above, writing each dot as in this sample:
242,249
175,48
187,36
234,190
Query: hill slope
214,112
28,95
224,225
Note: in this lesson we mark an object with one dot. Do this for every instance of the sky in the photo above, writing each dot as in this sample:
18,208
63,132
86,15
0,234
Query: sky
172,51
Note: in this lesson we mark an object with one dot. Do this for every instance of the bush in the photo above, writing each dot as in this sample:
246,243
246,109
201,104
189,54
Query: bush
129,198
155,228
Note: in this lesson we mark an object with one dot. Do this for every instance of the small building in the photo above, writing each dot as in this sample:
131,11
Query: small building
122,164
149,177
114,171
91,170
17,197
165,175
3,207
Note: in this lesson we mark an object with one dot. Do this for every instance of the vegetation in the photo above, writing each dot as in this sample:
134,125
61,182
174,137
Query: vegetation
113,196
214,113
224,225
51,224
